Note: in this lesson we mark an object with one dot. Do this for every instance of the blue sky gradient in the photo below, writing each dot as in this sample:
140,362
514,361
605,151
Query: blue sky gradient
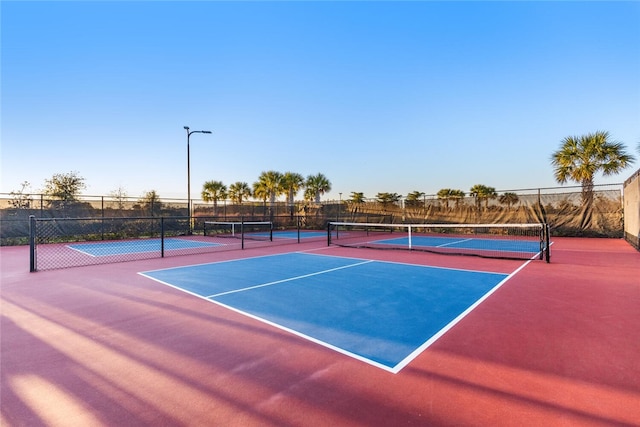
377,96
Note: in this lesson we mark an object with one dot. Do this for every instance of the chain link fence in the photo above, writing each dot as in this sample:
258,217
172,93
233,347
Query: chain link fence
70,242
567,210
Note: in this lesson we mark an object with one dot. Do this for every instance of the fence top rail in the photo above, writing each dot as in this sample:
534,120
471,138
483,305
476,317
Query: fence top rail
163,217
109,218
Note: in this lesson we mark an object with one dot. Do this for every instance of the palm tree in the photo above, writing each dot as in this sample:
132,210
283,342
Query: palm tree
509,199
579,158
271,182
482,192
388,198
355,200
456,195
413,199
260,192
292,183
212,191
445,194
356,197
316,185
238,191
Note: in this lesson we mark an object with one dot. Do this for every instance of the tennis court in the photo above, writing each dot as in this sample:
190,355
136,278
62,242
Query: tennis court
532,248
311,334
516,241
382,313
258,230
287,235
123,247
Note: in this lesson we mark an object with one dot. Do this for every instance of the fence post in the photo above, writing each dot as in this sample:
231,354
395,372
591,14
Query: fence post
32,243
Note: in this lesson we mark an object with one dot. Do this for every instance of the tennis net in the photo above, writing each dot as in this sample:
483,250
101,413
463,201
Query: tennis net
509,241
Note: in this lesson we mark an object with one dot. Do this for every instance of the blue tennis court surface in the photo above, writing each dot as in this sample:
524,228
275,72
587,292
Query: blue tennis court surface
382,313
124,247
524,246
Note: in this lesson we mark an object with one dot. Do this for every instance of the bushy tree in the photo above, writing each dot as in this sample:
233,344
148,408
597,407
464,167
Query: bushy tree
120,196
64,188
21,199
150,201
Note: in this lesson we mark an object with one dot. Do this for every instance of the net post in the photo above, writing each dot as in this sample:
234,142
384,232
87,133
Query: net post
161,237
542,241
547,239
409,237
271,231
328,233
241,232
32,243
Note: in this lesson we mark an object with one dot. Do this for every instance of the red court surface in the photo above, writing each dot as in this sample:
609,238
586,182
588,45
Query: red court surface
558,344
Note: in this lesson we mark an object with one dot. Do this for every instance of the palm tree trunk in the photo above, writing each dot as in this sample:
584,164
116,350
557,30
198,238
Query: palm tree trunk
587,203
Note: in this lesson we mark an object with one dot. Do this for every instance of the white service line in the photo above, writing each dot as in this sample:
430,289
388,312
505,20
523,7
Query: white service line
289,279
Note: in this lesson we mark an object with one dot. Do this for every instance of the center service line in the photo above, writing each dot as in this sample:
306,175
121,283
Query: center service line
289,279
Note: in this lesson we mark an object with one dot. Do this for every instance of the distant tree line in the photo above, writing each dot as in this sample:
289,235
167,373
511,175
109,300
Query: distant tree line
269,186
578,159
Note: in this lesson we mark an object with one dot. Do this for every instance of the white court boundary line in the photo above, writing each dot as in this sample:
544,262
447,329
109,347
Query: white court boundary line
396,368
455,321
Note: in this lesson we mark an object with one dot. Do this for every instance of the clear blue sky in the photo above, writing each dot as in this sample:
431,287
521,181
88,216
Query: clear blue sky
378,96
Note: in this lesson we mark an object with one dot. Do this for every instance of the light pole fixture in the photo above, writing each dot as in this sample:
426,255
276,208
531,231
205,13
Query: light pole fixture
189,210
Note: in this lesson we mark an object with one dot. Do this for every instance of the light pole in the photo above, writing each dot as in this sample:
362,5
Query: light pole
189,173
